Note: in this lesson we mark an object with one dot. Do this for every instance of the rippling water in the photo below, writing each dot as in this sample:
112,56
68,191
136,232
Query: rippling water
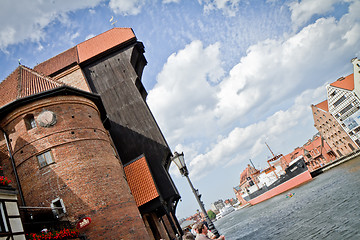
327,207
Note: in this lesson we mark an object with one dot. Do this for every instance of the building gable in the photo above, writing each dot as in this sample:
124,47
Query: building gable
24,82
346,83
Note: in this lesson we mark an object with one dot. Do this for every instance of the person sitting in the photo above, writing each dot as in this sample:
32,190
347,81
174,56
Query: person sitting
202,231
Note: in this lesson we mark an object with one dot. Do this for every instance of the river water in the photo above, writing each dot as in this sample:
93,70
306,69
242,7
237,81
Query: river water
327,207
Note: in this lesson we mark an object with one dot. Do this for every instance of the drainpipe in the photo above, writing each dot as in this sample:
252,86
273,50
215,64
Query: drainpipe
14,166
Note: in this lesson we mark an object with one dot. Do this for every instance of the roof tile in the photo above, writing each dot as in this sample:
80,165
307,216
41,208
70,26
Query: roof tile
23,82
323,105
86,50
140,181
58,62
346,83
104,42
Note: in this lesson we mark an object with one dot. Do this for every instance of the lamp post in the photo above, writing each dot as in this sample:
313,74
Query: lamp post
178,159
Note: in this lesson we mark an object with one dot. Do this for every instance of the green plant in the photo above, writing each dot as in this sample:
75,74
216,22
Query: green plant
211,214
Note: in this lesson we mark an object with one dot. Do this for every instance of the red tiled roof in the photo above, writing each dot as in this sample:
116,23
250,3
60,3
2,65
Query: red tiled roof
345,83
58,62
323,105
140,181
86,50
24,82
103,42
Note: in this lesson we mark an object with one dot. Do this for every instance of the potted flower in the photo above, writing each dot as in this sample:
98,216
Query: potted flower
62,234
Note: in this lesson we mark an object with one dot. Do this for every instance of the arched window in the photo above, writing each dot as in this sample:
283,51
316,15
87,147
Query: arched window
30,122
339,153
351,146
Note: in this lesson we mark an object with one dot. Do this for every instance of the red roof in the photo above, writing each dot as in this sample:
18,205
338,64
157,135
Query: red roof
345,82
87,50
140,181
24,82
58,62
323,105
103,42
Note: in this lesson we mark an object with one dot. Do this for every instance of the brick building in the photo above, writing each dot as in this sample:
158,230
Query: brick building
344,103
65,160
331,131
316,152
246,181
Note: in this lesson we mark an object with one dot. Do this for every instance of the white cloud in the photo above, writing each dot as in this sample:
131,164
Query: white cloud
28,21
273,70
185,90
89,36
170,1
229,7
228,122
126,7
248,142
302,11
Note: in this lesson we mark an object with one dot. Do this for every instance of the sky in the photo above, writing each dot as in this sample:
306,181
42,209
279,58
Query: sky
223,76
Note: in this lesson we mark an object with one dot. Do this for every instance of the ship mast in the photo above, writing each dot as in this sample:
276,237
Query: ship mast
252,163
251,175
270,149
273,159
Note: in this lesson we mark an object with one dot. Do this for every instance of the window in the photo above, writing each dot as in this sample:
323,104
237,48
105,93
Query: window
30,122
3,222
333,93
58,207
351,146
45,159
356,130
339,101
347,108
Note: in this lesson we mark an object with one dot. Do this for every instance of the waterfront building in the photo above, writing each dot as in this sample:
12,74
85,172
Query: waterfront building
231,201
85,143
344,103
216,206
331,131
316,152
246,181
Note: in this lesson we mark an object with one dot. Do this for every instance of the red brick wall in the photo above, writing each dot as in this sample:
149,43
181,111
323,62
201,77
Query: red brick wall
74,77
332,132
86,173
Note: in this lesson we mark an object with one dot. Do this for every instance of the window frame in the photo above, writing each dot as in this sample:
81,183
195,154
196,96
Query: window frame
55,205
4,224
47,158
30,122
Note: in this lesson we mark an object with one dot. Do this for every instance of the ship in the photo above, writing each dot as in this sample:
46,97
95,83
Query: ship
225,211
276,179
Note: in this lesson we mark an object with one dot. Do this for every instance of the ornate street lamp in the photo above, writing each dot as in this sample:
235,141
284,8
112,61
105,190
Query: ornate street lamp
178,159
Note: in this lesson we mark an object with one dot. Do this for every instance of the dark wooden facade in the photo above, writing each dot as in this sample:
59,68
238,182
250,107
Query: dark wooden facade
116,77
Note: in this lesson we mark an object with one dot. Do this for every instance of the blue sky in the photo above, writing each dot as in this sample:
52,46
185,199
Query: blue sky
223,76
